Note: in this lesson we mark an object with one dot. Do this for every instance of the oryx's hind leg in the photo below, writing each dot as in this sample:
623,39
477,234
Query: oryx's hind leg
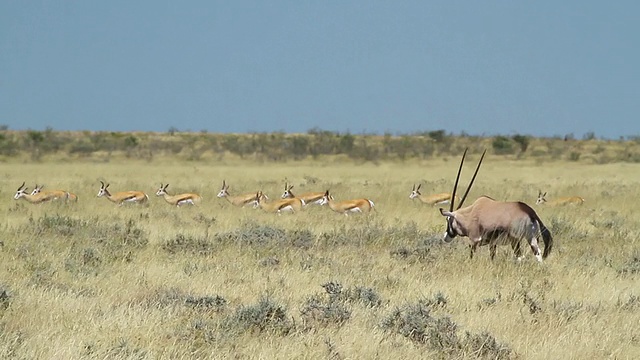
533,241
517,250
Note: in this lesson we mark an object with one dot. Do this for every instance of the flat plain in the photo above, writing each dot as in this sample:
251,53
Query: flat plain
95,280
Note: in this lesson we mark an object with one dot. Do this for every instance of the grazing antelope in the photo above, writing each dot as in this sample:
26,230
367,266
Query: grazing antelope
278,206
178,200
136,197
22,192
59,194
491,222
238,200
308,198
347,206
573,200
435,199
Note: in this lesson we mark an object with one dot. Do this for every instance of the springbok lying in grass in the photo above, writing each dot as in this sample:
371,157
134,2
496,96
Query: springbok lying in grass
122,197
347,206
308,198
491,222
433,199
238,200
277,206
58,194
180,199
573,200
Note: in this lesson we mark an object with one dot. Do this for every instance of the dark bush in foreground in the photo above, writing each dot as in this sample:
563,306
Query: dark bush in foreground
188,244
265,316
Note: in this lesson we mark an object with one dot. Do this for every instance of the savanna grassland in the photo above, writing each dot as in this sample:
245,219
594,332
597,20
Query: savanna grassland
94,280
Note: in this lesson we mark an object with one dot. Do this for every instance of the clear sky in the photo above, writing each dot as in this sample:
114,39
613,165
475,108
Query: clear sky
541,68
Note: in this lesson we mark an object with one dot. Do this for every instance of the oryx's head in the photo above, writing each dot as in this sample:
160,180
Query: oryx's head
162,190
415,192
541,198
287,191
454,227
36,189
103,190
224,191
22,191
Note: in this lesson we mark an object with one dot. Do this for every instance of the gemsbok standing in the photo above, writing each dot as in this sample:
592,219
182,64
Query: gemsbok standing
347,206
238,200
278,206
129,197
22,193
573,200
180,199
434,199
58,194
491,222
308,198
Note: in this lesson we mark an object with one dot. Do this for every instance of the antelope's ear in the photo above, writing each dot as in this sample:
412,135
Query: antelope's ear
446,213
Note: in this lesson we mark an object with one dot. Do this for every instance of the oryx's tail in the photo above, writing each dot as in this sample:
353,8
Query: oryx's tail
547,238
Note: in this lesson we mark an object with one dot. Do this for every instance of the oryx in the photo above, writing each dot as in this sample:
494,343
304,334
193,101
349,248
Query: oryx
491,222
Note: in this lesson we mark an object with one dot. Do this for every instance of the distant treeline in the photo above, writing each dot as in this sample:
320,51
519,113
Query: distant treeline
277,146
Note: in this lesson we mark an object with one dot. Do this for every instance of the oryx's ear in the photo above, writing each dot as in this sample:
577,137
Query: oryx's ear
446,213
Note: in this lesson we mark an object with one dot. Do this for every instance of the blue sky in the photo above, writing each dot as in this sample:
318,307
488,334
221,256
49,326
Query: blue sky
541,68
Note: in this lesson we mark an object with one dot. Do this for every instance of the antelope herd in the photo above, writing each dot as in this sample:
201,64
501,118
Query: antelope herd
484,222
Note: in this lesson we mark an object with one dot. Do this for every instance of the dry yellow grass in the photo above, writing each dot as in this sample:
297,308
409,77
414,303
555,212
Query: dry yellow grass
79,286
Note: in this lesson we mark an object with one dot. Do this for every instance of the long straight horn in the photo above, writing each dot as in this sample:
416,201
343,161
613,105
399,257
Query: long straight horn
455,185
20,188
472,179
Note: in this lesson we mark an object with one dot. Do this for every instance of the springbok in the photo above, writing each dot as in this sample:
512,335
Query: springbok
22,193
58,194
435,199
136,197
178,200
238,200
277,206
573,200
491,222
347,206
308,198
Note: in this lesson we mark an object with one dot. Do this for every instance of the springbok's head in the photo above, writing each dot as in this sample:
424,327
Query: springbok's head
541,197
36,189
103,190
326,198
260,197
224,191
454,228
162,190
287,191
22,191
415,192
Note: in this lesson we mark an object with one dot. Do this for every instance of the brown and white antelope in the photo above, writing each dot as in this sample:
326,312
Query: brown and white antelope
22,193
130,197
59,194
180,199
238,200
278,206
491,222
573,200
347,206
434,199
308,198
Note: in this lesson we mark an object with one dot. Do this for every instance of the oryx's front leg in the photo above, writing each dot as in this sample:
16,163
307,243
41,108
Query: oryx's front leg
517,251
534,247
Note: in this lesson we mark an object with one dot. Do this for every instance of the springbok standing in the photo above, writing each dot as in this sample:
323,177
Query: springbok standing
238,200
491,222
58,194
278,206
135,197
347,206
573,200
180,199
308,198
22,193
435,199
